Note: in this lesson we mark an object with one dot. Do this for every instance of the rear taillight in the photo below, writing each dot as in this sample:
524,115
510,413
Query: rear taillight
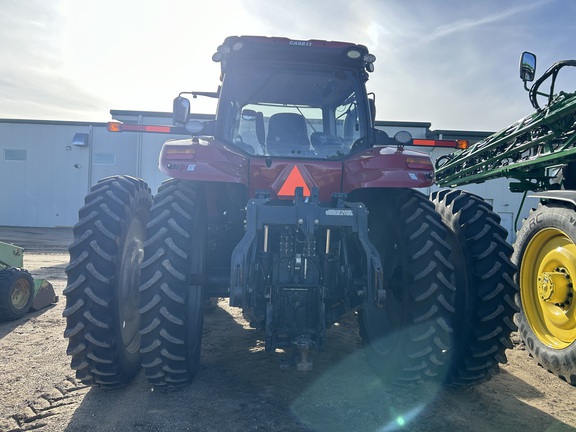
179,152
419,162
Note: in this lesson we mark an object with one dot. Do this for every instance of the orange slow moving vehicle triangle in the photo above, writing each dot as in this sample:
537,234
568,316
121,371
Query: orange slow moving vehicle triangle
293,181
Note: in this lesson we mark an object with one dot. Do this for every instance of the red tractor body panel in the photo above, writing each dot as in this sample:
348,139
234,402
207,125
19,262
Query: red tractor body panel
213,161
387,167
203,159
281,177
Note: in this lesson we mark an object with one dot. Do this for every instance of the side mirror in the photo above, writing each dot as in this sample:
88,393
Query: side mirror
180,110
527,66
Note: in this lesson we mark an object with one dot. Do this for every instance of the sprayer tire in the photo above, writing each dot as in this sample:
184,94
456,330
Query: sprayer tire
545,252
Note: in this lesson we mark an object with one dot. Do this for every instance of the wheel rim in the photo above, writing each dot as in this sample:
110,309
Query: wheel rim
21,294
547,274
128,288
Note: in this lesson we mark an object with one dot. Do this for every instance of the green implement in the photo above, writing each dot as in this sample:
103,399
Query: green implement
19,291
525,151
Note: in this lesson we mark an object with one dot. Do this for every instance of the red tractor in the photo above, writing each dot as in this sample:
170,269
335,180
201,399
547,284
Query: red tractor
292,204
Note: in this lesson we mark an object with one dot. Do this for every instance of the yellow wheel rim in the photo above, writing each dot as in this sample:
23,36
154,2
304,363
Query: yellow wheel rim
547,278
21,294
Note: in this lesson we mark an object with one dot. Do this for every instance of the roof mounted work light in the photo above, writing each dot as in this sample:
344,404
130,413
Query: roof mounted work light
353,53
369,58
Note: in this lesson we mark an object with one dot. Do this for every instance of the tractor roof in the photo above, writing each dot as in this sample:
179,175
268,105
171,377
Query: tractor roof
276,49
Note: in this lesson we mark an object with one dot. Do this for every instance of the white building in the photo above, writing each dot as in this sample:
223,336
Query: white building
47,167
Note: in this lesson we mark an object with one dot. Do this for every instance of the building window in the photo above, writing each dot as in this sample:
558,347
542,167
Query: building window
104,159
15,155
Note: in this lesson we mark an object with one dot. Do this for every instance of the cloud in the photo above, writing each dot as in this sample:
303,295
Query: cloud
467,24
455,64
34,81
448,62
339,20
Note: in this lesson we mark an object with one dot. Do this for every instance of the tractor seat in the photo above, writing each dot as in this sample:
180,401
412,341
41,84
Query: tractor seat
287,135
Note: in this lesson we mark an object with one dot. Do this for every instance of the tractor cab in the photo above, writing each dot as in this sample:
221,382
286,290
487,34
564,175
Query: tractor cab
287,98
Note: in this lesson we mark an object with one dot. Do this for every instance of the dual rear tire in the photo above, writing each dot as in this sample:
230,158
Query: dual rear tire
128,299
449,313
406,341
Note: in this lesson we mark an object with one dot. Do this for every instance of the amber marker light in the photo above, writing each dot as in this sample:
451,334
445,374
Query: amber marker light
462,144
117,126
114,126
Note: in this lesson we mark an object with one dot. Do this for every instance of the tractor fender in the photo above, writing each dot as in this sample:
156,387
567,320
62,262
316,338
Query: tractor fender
203,159
387,167
567,196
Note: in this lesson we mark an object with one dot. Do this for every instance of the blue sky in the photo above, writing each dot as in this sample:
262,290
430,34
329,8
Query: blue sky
449,62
